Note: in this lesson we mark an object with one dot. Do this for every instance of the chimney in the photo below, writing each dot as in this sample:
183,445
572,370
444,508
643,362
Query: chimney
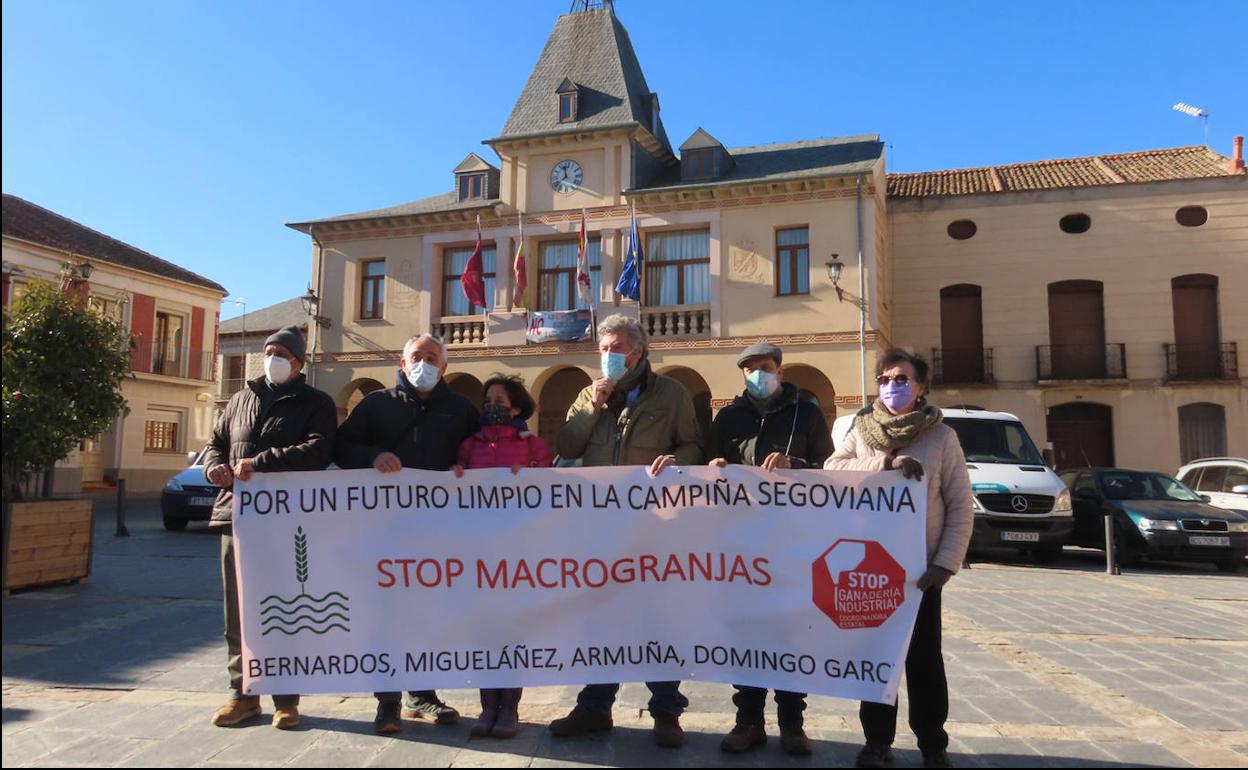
1236,165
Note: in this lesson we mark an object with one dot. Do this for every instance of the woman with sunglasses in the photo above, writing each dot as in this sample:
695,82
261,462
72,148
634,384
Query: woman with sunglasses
901,431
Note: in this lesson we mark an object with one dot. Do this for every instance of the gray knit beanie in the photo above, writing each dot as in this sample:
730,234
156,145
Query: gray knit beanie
291,339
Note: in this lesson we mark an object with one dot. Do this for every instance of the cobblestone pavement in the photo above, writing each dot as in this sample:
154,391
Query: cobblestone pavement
1049,667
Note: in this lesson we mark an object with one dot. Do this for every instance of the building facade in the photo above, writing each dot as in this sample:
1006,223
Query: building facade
240,344
172,314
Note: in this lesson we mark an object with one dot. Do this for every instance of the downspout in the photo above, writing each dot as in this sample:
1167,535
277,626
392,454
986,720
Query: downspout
862,307
314,325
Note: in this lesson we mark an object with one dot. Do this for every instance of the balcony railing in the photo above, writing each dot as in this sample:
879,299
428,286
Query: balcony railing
155,358
1208,361
962,366
1081,362
461,331
677,321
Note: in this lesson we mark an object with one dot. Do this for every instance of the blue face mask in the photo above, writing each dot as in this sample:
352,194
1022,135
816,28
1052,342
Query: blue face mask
761,384
423,376
614,366
897,397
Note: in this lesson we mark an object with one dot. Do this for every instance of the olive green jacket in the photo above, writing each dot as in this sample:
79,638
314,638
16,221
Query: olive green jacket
661,422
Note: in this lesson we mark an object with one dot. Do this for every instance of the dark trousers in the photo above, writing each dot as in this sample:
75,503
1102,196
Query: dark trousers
665,698
751,702
396,698
234,623
926,687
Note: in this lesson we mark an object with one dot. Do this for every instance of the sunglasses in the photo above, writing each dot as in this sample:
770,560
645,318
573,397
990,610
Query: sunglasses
899,379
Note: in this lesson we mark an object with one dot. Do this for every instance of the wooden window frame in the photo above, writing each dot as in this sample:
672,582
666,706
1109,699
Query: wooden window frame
698,164
472,186
680,274
570,100
374,286
447,277
791,250
152,431
573,298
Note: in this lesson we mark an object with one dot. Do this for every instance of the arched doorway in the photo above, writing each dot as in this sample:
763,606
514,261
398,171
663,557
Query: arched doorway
467,386
556,395
353,393
1082,435
813,386
699,391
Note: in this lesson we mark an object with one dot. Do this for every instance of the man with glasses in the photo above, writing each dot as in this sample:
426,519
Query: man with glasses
419,423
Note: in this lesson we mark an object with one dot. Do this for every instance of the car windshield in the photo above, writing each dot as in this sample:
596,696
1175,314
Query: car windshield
1133,485
995,441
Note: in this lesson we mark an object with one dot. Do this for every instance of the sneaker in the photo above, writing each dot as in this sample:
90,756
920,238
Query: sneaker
794,741
743,738
874,755
387,721
937,759
667,731
429,707
581,722
286,718
238,710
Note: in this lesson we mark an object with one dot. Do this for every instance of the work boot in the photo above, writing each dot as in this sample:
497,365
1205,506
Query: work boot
387,721
936,759
874,755
286,717
238,710
667,732
581,722
427,706
743,738
489,714
508,723
794,741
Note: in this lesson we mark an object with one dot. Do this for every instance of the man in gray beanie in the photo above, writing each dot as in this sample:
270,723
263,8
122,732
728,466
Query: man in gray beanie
277,423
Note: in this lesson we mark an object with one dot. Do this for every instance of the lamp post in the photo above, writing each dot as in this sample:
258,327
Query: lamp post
835,267
312,306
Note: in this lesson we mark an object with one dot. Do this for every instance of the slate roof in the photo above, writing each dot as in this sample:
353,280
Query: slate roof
790,161
592,50
1133,167
30,222
268,319
448,201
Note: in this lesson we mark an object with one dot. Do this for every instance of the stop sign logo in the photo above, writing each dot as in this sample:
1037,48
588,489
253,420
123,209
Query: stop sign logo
858,584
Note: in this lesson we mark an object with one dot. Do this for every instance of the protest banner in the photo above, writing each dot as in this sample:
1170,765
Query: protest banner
560,326
356,581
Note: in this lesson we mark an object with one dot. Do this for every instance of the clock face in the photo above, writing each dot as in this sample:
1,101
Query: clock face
566,176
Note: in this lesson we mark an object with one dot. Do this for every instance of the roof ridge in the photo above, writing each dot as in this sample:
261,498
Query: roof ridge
1054,161
818,140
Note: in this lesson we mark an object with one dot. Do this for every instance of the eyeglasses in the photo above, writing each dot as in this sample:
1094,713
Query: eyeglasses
899,379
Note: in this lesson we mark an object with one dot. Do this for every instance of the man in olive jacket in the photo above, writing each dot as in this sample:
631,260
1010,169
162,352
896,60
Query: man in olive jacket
277,423
629,416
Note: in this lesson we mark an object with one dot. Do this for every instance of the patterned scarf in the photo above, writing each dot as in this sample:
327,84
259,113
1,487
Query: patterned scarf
885,431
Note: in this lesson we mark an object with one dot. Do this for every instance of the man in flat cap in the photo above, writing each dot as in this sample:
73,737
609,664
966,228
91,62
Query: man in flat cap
277,423
771,427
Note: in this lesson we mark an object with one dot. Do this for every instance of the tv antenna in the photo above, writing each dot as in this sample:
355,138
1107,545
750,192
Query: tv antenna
1195,112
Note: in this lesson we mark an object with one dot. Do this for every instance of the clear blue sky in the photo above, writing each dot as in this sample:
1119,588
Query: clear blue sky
194,130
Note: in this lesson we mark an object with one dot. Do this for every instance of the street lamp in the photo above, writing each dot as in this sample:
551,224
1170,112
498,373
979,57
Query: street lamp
835,267
311,306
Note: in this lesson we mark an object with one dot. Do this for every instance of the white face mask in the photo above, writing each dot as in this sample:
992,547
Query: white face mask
277,369
423,375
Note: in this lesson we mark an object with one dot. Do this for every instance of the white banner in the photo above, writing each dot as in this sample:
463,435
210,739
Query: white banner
355,581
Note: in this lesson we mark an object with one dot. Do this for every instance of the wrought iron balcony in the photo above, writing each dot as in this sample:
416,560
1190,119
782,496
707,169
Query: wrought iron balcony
1081,362
962,366
1207,361
169,361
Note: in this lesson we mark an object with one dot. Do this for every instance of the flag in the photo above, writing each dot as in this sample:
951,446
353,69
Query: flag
583,285
629,285
520,268
473,279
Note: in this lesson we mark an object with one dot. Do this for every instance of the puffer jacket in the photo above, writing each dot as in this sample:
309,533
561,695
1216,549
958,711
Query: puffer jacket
424,433
296,433
503,446
745,432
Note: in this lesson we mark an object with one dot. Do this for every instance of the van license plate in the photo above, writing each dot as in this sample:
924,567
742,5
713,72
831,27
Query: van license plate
1021,537
1208,540
208,501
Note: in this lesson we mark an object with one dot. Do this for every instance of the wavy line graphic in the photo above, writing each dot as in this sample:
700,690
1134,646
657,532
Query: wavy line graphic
311,617
313,629
297,599
278,610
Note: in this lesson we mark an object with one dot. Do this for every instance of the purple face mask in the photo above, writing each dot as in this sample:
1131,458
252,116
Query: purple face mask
897,397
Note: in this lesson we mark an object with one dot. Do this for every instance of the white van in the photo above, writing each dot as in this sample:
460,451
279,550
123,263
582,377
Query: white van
1019,501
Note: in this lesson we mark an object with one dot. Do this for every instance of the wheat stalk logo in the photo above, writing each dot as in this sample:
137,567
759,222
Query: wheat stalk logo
301,559
304,612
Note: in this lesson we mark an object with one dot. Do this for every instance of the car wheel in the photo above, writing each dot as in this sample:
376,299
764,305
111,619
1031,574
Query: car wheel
175,524
1231,564
1047,555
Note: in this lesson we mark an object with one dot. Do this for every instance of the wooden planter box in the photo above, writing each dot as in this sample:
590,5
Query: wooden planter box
46,541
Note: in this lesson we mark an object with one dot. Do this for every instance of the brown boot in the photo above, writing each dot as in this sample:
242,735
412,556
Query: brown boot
286,717
581,722
508,723
489,713
667,731
743,738
238,710
794,741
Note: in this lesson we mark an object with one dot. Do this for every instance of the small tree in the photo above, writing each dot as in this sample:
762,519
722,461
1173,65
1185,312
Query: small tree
63,367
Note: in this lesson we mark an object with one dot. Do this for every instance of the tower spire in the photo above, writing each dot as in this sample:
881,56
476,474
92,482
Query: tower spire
584,6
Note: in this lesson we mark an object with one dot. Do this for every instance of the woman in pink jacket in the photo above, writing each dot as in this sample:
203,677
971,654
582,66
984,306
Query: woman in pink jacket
900,431
504,441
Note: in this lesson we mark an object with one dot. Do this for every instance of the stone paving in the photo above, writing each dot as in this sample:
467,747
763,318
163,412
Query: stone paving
1058,666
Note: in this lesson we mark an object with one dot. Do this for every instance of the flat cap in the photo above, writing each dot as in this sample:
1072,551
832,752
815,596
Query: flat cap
760,350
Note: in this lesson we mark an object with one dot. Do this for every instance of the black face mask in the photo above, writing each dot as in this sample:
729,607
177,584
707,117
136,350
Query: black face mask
496,414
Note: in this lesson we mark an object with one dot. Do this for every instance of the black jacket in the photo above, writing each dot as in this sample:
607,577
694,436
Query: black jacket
743,434
296,433
424,433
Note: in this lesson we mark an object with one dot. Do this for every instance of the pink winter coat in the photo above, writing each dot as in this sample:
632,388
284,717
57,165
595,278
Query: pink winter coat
502,446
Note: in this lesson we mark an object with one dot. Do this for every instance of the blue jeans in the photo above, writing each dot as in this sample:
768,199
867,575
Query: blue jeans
665,698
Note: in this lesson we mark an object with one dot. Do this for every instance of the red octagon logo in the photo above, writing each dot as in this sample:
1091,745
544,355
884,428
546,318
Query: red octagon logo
858,584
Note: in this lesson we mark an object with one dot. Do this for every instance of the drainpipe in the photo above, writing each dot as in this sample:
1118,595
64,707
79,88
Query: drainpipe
314,326
862,307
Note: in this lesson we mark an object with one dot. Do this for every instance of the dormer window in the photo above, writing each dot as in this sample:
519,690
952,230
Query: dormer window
568,92
698,164
702,157
471,186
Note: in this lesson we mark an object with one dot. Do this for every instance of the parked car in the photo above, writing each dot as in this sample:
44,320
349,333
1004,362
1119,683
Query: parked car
187,496
1019,501
1222,481
1154,515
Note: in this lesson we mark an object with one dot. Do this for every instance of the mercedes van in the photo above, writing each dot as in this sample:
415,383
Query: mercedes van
1019,501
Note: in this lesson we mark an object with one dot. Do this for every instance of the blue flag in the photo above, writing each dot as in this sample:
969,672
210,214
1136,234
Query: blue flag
629,285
